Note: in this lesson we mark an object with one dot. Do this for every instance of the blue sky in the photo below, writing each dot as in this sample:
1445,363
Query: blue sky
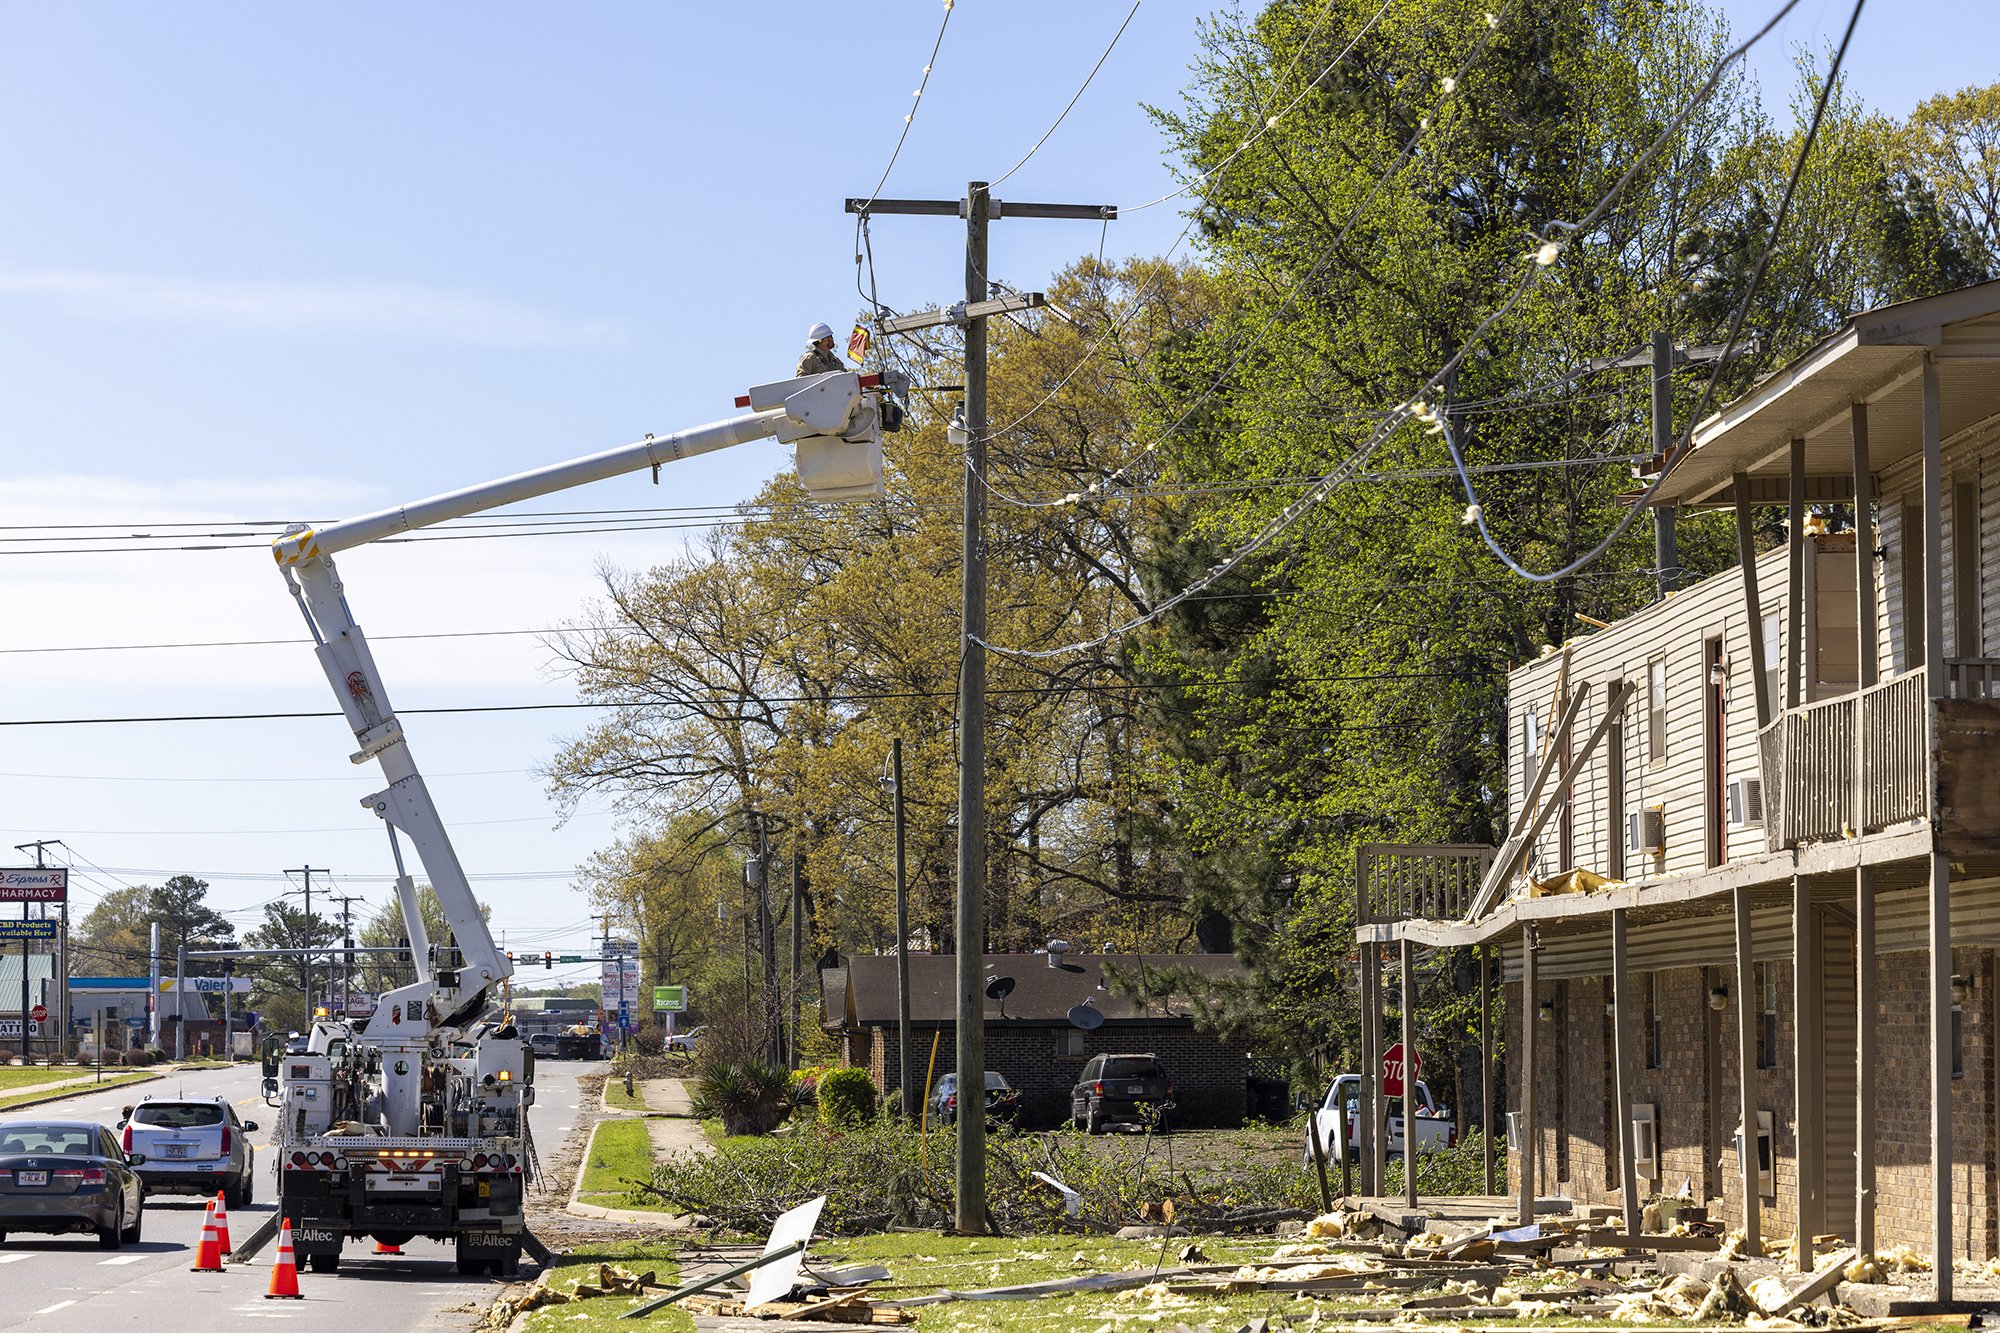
279,261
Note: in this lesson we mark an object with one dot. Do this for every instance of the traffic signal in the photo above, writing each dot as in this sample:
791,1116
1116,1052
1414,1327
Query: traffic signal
548,960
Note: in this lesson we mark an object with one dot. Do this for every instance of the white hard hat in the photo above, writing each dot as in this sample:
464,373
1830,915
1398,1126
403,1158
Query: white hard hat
819,331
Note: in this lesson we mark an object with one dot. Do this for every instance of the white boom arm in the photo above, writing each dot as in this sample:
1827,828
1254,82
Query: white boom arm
839,446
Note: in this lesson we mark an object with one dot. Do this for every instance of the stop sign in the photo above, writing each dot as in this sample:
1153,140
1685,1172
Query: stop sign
1392,1070
39,1013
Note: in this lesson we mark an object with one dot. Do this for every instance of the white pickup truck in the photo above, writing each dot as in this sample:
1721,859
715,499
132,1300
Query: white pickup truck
1341,1132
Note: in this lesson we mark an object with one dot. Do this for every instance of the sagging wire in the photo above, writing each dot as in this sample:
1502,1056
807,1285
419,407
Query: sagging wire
1447,87
1475,513
1074,99
1542,257
1271,122
1214,178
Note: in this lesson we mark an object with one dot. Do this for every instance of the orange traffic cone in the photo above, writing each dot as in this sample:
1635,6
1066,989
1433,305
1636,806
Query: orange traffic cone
384,1248
221,1211
285,1273
208,1257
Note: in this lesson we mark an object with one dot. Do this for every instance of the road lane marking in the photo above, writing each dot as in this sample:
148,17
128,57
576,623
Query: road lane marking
121,1259
14,1258
51,1309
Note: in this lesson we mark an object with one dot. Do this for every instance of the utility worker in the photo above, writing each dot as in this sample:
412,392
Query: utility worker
820,357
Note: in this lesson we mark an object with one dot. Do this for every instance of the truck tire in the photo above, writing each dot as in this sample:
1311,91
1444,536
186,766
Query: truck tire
323,1263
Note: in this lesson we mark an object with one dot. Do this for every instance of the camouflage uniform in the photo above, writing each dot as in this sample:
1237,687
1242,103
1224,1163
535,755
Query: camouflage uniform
817,362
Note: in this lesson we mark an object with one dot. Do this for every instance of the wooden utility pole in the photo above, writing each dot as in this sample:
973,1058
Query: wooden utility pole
902,940
978,208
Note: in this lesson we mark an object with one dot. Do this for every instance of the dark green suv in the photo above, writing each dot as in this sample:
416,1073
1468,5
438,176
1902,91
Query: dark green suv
1121,1090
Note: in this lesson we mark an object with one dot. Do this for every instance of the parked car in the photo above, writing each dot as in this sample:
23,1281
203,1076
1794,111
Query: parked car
1002,1101
685,1041
1121,1090
544,1045
69,1175
1341,1132
193,1145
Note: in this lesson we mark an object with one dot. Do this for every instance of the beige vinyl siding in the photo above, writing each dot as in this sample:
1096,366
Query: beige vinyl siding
1676,629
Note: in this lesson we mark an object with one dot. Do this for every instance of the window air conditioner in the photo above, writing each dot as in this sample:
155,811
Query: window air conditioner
1746,802
1646,830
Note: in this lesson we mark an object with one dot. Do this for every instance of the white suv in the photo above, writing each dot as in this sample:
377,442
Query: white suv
192,1145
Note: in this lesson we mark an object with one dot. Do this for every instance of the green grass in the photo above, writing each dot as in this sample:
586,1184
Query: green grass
603,1313
616,1098
620,1157
729,1142
75,1090
12,1078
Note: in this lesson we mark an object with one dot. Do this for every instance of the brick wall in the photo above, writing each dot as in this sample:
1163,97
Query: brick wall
1695,1091
1045,1060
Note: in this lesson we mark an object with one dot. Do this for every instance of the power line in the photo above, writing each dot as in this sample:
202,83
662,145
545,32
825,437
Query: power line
992,184
851,698
1476,513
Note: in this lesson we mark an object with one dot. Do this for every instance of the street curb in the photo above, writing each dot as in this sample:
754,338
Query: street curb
82,1090
664,1221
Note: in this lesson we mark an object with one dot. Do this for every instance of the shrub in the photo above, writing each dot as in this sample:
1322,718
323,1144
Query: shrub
846,1097
748,1098
649,1041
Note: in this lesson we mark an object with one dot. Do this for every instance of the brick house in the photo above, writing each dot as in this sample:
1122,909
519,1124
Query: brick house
1029,1037
1753,869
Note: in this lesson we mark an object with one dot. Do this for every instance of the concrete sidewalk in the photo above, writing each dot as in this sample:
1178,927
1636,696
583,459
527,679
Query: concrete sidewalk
672,1125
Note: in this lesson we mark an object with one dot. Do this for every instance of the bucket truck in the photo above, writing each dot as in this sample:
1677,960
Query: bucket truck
415,1121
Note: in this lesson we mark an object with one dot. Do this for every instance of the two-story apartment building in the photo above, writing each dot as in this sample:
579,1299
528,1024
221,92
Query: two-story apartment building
1753,868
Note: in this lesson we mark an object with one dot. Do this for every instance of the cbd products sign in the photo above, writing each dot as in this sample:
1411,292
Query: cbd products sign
33,884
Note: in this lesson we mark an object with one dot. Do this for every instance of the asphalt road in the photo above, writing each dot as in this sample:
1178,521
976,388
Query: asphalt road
65,1284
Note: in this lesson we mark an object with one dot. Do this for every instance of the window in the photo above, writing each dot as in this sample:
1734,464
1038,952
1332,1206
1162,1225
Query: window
1767,1016
1069,1044
1957,1042
1656,710
1653,1024
1645,1142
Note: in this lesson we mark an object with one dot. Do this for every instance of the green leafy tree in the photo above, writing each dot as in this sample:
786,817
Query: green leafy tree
285,988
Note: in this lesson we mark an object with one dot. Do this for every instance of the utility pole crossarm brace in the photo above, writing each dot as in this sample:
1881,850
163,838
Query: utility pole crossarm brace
962,313
956,208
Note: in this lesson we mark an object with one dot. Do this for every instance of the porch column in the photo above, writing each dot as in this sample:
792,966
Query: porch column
1371,1080
1940,868
1408,960
1864,1059
1795,573
1868,656
1528,1132
1753,609
1486,1065
1621,1069
1746,1069
1808,1079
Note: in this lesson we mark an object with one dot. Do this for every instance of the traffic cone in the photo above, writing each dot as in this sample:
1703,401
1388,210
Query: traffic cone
383,1248
208,1256
220,1208
285,1273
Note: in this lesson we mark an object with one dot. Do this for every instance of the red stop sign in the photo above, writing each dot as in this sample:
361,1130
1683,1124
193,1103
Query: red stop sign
39,1013
1392,1070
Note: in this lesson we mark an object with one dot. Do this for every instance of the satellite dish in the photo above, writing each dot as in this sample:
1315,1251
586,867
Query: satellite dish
1086,1017
999,988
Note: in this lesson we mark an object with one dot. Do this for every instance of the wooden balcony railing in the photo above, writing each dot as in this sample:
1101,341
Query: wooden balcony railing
1404,882
1809,764
1972,677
